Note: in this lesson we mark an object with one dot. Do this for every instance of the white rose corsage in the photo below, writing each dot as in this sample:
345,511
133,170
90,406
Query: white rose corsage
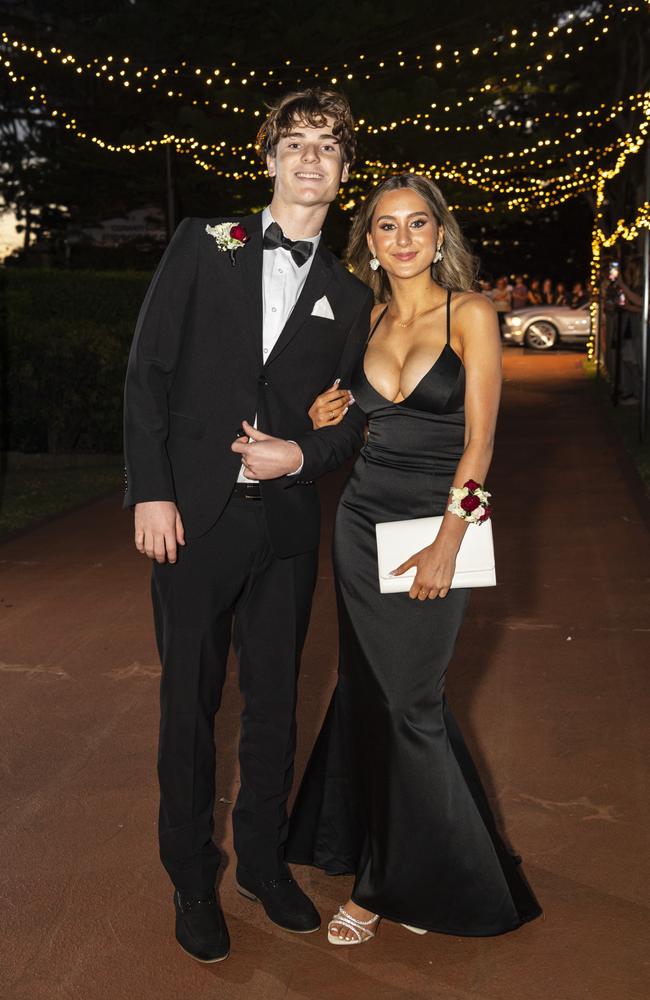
228,236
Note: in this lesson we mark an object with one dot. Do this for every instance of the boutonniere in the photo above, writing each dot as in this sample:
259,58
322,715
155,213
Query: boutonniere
228,237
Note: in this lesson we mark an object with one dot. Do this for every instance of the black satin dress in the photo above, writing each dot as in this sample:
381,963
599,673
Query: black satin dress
390,793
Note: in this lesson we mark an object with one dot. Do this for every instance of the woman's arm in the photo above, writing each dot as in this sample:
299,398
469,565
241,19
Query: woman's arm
330,407
477,323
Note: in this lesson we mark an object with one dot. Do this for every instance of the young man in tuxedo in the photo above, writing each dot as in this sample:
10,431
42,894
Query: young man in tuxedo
230,349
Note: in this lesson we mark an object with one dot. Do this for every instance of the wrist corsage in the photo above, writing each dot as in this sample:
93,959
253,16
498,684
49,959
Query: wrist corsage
470,502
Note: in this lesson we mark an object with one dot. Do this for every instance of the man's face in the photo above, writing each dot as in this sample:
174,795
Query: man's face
308,165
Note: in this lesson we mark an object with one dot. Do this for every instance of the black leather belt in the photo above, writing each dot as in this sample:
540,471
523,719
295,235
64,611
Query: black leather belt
247,491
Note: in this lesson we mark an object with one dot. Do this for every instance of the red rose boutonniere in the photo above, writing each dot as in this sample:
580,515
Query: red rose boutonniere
228,237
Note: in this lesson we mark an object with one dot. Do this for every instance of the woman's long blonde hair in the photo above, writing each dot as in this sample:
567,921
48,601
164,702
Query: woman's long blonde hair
458,268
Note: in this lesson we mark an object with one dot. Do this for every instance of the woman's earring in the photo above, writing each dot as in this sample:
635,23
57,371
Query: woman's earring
439,255
374,263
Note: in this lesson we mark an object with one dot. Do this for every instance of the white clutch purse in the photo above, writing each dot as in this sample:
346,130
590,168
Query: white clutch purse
398,540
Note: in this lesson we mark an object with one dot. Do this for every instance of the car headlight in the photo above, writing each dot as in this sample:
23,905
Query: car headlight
514,320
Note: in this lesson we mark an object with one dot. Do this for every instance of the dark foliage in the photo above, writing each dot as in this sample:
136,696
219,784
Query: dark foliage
66,342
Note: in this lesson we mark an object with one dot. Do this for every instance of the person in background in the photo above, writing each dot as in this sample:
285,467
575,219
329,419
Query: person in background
630,302
487,287
609,295
548,298
534,293
502,299
519,293
561,297
579,296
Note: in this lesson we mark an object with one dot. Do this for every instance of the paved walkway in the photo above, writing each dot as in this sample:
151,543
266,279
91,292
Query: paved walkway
550,683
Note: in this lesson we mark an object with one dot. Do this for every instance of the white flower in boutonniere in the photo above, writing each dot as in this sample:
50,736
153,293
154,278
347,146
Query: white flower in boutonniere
228,236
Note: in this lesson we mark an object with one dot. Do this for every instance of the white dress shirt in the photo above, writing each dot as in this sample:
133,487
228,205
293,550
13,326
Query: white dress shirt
282,283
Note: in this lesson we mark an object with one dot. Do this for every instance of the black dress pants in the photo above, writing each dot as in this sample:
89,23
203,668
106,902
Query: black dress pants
229,572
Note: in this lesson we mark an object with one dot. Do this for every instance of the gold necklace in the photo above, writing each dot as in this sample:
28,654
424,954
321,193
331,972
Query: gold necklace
413,318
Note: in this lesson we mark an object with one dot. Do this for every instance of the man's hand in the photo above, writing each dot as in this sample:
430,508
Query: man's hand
266,457
158,530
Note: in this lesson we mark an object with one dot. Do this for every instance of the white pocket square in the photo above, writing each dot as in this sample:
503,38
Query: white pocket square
323,308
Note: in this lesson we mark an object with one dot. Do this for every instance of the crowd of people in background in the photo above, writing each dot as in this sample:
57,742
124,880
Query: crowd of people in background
620,293
508,295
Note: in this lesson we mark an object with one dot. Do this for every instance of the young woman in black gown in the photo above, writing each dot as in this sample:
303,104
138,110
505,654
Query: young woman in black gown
390,793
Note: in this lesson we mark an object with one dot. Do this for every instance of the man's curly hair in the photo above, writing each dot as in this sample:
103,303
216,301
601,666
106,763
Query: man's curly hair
310,107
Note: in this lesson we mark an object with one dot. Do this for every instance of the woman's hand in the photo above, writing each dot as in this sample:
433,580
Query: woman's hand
435,567
330,407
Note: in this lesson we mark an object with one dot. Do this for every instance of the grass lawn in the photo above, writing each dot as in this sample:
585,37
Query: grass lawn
35,487
626,421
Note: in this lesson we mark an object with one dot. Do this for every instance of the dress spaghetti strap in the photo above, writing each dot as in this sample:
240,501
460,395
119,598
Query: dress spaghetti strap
381,316
449,315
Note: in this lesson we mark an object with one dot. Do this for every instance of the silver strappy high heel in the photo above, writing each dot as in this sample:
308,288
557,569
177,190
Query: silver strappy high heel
361,928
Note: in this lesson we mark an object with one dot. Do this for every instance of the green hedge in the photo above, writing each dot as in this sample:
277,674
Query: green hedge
64,344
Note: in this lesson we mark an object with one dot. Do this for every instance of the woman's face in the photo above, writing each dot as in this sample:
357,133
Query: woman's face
404,235
548,284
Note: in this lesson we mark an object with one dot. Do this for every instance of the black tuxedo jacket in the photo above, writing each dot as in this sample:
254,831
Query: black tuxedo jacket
195,372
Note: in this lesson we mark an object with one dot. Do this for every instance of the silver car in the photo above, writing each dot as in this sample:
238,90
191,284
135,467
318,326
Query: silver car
543,327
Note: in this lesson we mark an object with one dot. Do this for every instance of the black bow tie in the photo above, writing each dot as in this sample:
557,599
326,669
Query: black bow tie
300,250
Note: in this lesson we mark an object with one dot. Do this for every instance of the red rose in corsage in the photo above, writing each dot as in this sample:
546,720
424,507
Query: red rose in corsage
228,236
470,502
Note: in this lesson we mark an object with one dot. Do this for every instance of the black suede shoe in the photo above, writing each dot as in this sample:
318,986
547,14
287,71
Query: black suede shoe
283,900
200,926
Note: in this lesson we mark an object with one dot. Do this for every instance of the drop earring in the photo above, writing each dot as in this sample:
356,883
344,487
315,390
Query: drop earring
374,263
439,255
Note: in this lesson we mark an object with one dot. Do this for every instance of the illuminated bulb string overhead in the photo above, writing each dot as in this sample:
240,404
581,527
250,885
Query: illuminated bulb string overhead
124,71
525,194
525,179
487,167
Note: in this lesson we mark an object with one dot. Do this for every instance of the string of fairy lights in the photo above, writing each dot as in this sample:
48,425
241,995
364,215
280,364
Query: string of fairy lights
585,119
434,59
622,230
627,230
526,193
483,173
541,175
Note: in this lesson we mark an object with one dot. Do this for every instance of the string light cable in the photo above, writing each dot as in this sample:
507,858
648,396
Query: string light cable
490,163
125,72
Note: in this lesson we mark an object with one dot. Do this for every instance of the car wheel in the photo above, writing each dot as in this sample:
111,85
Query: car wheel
541,335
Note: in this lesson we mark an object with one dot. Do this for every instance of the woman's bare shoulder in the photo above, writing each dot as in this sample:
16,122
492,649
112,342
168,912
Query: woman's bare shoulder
472,305
475,317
